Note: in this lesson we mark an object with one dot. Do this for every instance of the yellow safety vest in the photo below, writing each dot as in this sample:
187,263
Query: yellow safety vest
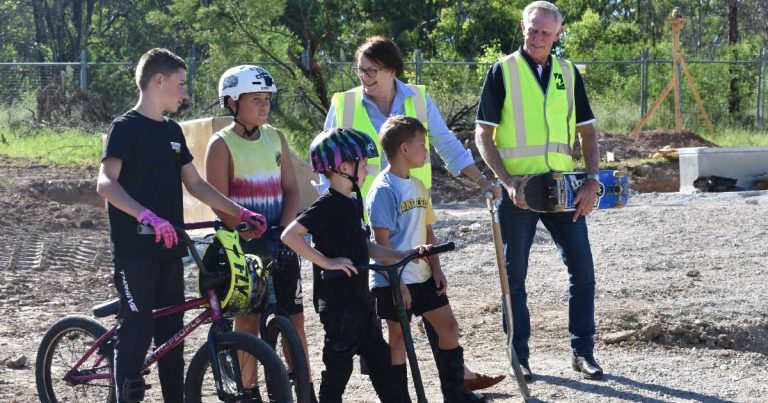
537,129
351,113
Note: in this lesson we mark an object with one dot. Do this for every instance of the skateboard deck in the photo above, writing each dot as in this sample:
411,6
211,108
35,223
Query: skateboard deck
553,192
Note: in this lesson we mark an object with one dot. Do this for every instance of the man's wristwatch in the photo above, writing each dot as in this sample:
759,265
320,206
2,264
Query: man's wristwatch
480,178
596,177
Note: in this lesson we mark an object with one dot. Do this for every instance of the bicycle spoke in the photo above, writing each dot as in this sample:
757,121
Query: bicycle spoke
237,368
66,352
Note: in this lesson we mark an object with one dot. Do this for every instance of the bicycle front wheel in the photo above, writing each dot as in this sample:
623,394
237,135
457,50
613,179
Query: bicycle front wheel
63,345
237,355
283,338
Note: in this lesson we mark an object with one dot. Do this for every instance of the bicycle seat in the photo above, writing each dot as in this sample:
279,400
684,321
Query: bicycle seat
108,308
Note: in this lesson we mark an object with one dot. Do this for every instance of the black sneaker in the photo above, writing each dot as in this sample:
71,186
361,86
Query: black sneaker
587,365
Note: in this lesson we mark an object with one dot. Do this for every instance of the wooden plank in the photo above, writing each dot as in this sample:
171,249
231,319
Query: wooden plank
695,92
655,106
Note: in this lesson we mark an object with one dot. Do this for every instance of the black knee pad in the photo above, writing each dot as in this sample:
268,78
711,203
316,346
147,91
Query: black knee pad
134,388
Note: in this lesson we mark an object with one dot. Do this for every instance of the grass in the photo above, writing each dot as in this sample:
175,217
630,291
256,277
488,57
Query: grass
621,116
68,147
736,137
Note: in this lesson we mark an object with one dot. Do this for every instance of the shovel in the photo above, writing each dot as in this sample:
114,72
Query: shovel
514,363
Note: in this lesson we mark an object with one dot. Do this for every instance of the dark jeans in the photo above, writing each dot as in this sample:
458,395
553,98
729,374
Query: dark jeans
518,228
145,284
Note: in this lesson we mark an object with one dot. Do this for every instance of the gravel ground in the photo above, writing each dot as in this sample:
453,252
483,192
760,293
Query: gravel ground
681,295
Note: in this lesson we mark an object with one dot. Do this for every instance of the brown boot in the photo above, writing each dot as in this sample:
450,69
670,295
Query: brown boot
483,381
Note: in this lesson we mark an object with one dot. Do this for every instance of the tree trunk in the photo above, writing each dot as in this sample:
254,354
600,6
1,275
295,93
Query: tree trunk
41,34
733,39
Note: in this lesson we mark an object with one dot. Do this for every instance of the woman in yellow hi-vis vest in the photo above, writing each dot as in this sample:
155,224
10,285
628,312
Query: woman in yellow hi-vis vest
378,63
531,109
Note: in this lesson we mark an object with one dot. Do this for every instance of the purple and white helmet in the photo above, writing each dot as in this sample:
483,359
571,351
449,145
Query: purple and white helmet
333,146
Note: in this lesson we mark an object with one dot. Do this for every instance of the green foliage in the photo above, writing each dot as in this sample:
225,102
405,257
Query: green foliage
307,45
464,31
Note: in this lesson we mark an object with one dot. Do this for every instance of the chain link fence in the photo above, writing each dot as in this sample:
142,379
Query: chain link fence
620,91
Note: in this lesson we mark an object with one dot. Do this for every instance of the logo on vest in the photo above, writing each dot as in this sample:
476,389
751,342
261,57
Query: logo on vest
560,84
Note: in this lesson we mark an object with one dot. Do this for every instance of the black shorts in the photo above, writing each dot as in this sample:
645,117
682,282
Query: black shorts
424,298
286,278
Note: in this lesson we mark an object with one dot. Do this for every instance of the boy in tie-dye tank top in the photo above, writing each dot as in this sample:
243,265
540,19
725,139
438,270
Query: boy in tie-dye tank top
250,161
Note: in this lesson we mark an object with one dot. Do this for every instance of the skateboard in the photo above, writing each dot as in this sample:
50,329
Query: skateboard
553,192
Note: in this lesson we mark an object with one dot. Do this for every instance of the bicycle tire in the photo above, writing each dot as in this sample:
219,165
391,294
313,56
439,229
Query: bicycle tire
299,372
199,385
62,346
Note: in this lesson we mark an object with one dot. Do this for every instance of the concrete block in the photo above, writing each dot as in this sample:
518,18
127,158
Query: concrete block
741,163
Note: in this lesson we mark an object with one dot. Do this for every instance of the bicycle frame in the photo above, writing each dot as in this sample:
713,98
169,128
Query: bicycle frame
210,312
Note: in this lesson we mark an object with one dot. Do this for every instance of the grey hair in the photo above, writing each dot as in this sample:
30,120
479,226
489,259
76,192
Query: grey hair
545,6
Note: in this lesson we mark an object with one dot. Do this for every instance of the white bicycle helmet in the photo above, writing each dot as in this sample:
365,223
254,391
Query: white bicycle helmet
242,80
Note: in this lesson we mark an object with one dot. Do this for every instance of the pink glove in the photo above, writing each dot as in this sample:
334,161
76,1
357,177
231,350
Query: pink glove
163,229
257,220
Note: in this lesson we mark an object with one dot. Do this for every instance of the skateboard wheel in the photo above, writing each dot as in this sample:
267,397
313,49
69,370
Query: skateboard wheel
557,176
619,205
618,174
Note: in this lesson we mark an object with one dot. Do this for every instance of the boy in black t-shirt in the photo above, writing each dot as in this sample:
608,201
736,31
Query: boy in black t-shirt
144,164
345,304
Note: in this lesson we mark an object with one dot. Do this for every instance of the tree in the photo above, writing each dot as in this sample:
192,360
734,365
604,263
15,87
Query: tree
468,30
63,26
733,40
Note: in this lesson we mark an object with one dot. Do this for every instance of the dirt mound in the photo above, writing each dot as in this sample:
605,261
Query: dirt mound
49,197
645,144
694,334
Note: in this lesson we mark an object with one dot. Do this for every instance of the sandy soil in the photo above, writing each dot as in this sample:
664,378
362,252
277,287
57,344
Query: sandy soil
681,293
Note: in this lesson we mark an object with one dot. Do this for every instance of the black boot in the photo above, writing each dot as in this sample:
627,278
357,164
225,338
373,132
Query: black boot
451,370
400,382
587,365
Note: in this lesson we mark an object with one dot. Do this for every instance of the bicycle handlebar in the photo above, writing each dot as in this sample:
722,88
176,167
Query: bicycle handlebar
146,229
334,274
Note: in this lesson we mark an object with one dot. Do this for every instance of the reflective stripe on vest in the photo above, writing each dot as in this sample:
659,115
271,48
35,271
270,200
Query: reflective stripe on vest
537,131
350,112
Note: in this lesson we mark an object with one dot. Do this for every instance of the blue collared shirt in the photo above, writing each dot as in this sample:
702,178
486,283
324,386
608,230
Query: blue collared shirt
448,147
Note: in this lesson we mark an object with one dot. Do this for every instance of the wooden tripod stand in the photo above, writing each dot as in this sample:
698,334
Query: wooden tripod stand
678,63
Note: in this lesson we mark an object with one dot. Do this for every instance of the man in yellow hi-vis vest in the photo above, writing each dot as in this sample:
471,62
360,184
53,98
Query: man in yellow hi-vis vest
531,109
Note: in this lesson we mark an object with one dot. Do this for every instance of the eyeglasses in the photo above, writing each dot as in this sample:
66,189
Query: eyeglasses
370,72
